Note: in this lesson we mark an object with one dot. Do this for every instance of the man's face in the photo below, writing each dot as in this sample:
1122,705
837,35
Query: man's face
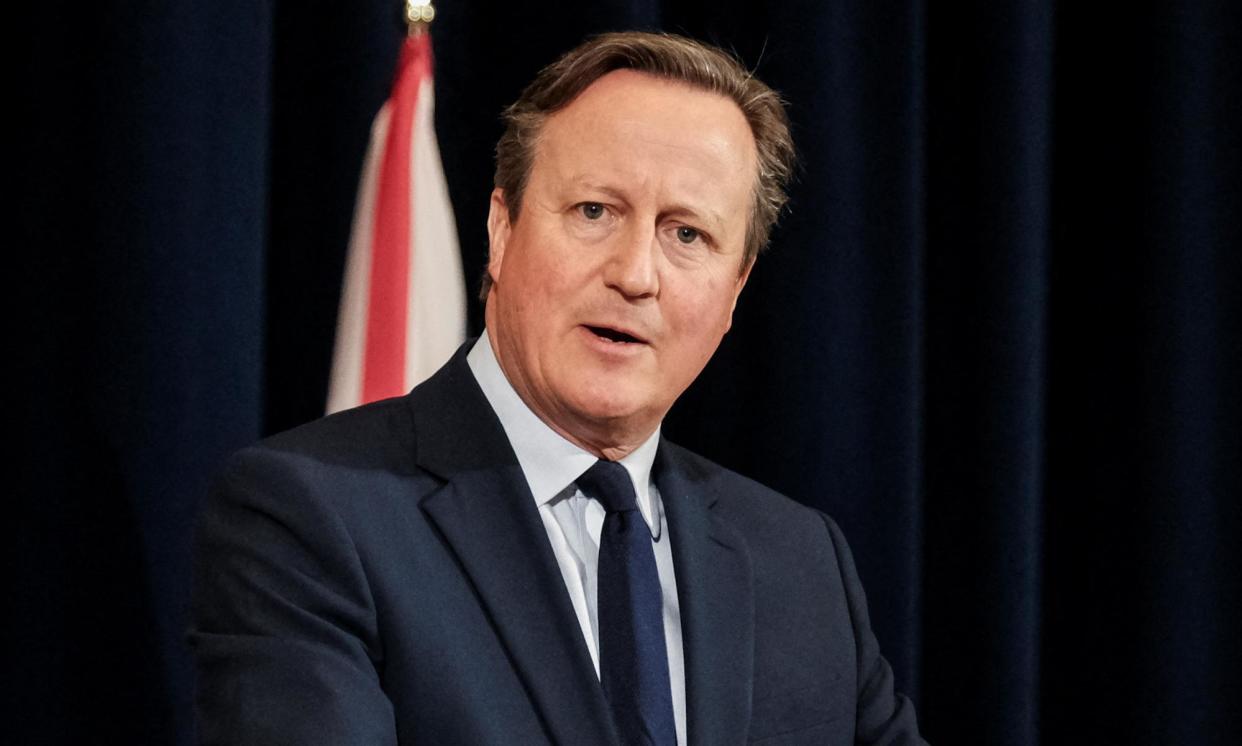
618,280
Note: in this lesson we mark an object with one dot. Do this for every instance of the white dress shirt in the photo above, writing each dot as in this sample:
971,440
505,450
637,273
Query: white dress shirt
574,521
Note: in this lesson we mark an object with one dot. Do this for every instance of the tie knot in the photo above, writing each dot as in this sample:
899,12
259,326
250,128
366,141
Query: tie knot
609,482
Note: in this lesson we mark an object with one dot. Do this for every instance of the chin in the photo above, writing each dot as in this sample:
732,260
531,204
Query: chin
614,406
609,411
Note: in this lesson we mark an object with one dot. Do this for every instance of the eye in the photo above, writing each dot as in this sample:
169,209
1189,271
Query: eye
686,234
591,210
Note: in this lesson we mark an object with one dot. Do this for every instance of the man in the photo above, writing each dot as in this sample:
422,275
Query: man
511,553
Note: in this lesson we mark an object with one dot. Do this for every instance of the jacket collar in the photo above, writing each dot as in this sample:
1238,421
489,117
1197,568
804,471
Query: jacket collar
487,515
715,590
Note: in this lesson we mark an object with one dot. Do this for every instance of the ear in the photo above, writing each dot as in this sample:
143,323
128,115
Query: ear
497,233
737,290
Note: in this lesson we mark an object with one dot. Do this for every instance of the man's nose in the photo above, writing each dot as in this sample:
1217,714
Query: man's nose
631,268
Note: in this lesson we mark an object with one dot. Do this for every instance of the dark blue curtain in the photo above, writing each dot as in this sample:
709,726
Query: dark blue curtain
997,335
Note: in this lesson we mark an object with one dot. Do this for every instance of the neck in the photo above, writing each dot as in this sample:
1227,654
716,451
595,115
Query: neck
610,450
611,439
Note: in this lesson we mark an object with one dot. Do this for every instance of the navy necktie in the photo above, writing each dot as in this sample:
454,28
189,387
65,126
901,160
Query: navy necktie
633,661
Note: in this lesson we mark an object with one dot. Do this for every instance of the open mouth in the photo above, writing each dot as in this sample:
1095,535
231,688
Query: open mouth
613,335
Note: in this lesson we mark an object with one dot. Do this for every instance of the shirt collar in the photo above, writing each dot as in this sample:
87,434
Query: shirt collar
550,462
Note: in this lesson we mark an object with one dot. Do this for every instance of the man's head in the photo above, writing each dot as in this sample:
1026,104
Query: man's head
666,56
638,178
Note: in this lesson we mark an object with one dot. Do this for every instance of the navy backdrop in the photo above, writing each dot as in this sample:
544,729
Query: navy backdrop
997,336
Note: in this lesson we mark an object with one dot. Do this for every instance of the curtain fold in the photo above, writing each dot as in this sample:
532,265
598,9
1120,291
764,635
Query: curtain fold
998,335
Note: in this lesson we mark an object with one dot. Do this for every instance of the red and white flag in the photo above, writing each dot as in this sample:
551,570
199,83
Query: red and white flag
403,306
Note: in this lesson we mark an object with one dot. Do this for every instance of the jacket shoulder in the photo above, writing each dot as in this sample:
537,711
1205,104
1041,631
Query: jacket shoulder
379,435
741,500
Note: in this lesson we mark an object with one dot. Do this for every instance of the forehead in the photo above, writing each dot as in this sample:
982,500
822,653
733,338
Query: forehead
639,130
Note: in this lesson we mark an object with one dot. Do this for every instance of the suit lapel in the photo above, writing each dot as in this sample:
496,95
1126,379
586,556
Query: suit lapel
487,515
714,587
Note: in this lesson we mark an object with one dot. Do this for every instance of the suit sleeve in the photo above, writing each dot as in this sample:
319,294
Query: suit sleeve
884,716
283,625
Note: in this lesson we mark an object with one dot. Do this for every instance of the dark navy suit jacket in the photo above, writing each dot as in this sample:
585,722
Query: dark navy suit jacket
382,576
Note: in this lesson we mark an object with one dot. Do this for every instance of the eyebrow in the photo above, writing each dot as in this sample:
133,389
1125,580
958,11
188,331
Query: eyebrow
714,220
597,187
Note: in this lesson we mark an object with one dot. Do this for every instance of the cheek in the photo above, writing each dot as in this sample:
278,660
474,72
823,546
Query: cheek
550,267
703,308
547,295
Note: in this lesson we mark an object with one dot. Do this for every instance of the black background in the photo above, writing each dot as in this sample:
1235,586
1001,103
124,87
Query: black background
997,335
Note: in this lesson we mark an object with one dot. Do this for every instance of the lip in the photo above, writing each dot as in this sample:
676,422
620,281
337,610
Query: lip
611,347
639,339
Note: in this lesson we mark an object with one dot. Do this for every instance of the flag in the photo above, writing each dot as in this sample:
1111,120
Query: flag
403,303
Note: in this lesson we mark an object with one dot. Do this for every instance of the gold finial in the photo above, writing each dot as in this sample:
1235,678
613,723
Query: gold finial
419,13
